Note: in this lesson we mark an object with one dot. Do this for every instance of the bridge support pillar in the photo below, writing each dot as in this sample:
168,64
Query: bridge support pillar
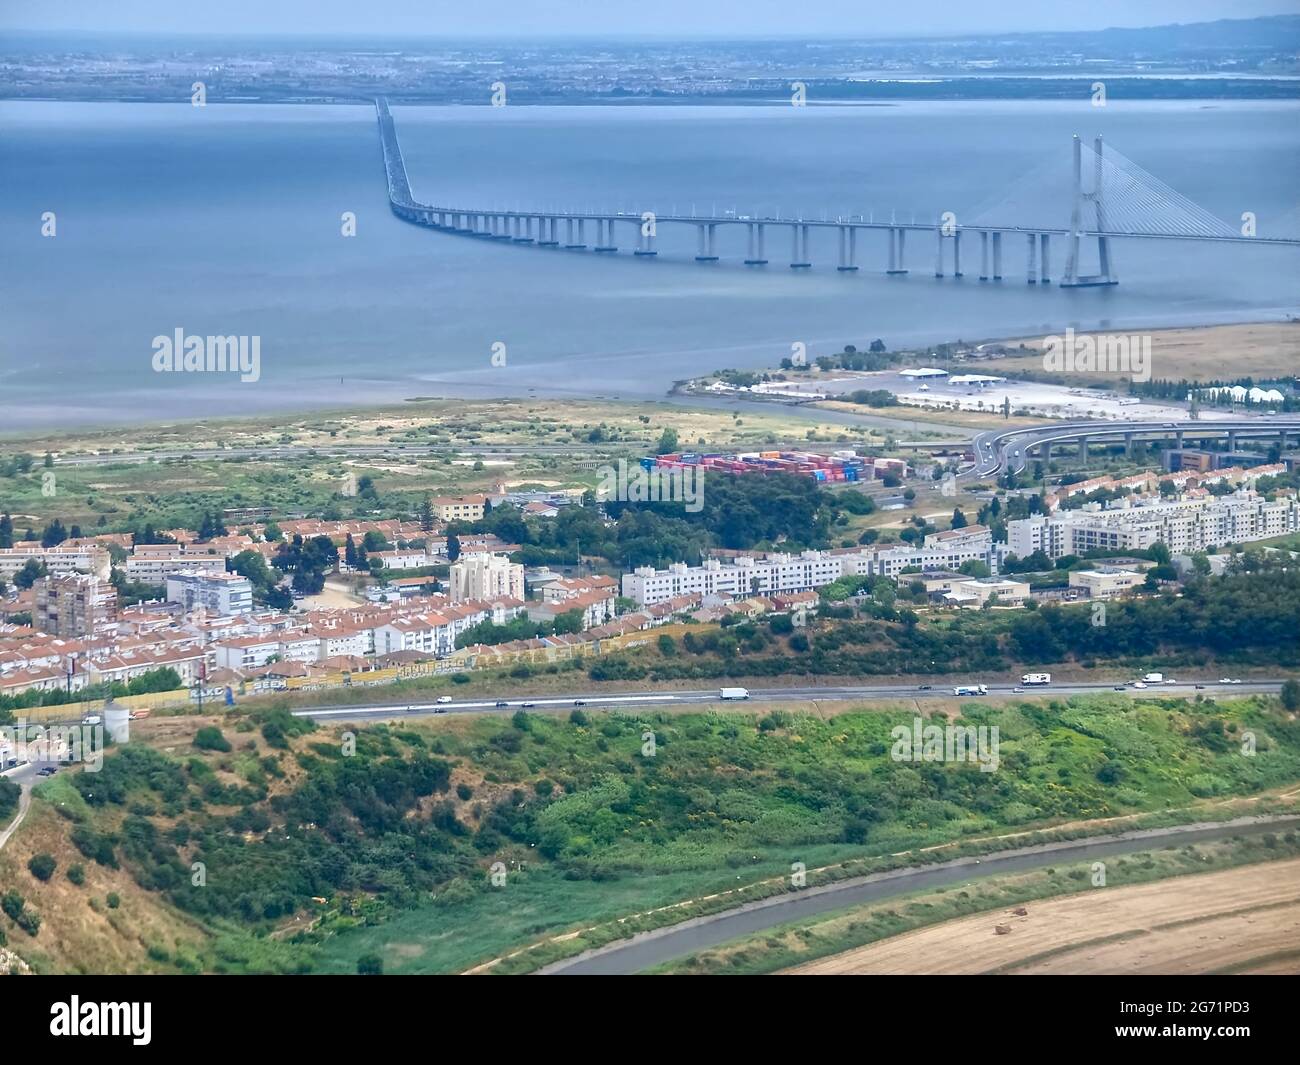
1044,268
605,235
897,259
938,251
1083,449
757,256
1128,444
546,227
956,253
645,241
997,256
799,252
848,249
1232,441
1104,275
576,243
1033,259
704,252
1046,452
984,255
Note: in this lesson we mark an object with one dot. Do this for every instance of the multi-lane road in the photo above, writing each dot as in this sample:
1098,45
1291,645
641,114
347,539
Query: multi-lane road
802,694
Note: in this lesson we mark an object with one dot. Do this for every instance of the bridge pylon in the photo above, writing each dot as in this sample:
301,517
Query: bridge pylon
1105,274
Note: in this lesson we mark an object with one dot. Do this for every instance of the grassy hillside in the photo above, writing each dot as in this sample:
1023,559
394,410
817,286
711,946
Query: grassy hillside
254,844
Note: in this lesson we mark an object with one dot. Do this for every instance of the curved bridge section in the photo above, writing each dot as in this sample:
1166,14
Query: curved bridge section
1001,451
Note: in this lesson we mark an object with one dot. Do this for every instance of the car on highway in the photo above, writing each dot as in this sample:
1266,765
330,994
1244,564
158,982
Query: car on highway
47,771
1119,687
1200,687
579,702
1139,684
1017,691
502,704
926,688
528,706
443,700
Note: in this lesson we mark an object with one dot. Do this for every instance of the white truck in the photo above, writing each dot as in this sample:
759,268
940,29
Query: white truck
1154,678
1036,678
971,689
733,693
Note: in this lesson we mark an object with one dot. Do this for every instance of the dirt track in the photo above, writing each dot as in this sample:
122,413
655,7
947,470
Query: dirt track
1246,920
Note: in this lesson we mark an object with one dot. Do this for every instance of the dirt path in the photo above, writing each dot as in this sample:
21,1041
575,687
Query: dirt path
24,803
1245,919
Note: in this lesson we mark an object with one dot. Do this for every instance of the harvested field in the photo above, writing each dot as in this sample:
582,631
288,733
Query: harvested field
1239,920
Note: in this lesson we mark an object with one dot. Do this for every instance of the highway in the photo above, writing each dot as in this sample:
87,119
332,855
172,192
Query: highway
806,693
1000,450
675,941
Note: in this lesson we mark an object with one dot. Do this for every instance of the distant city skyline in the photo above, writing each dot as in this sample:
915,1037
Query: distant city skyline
595,18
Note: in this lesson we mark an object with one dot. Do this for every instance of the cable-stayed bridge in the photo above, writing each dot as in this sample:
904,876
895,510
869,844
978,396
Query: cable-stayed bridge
1109,198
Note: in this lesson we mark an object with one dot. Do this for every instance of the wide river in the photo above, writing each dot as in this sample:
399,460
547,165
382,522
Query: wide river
226,220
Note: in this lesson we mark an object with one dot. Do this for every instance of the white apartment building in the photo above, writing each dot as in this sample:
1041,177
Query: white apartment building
404,558
218,593
486,576
245,652
746,576
435,632
1184,525
59,561
150,565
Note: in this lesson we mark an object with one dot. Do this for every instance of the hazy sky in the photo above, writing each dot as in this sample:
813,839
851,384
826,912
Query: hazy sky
662,18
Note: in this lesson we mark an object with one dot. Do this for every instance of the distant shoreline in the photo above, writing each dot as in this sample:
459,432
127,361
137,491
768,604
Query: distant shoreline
1190,88
1256,338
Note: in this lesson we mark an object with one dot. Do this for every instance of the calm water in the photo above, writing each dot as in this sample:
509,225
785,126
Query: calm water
225,220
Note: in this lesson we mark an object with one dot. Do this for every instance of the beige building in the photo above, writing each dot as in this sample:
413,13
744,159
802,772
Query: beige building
486,576
1106,584
979,590
78,604
459,508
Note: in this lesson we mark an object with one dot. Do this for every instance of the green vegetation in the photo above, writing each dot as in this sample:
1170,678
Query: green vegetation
42,866
10,793
586,826
156,680
1247,618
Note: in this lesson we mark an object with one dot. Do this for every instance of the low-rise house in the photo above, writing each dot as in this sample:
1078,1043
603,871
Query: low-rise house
1106,584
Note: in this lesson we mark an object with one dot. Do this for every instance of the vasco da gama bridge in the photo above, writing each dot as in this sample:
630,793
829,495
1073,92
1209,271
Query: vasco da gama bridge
1113,198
